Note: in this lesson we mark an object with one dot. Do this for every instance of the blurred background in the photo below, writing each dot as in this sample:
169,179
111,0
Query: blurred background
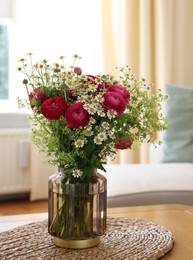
153,37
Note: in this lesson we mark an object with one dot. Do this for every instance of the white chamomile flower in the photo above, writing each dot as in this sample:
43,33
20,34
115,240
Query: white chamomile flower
99,98
101,113
90,108
83,76
97,140
100,108
83,90
76,56
102,136
87,106
76,173
79,143
102,130
98,79
92,121
69,83
111,114
111,134
92,88
82,99
69,75
95,101
88,132
88,127
105,125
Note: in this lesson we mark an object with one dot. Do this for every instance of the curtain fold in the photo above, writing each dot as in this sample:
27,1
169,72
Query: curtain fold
178,41
130,40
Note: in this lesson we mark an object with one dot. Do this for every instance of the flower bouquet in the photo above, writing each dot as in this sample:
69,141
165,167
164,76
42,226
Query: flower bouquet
80,120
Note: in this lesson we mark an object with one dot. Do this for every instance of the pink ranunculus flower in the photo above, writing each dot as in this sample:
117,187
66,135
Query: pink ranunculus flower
78,70
36,97
122,90
33,100
123,144
53,108
41,96
76,116
115,101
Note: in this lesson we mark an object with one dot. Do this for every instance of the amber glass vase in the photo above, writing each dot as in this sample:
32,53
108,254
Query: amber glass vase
77,209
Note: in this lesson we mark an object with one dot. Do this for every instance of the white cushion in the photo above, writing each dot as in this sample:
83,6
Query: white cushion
137,178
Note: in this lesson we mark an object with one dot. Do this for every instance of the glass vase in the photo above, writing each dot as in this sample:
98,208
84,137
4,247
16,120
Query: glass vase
77,209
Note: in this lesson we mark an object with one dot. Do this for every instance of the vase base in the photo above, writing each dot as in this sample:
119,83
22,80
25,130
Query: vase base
75,244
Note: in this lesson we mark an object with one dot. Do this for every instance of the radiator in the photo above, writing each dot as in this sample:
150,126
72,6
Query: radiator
14,161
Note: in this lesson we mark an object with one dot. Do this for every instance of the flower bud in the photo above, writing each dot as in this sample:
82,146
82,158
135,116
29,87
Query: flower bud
77,70
25,81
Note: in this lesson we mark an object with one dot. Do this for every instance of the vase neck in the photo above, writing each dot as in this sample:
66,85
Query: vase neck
68,172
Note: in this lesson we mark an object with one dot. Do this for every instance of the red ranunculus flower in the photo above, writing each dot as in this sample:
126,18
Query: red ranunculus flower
115,101
123,144
36,97
122,90
76,116
53,108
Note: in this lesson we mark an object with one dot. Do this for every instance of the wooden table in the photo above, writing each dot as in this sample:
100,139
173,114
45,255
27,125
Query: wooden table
177,218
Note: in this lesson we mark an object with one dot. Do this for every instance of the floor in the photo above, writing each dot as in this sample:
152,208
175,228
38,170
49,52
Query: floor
22,207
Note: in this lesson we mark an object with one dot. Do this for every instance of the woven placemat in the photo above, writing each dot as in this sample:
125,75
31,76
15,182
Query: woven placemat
126,239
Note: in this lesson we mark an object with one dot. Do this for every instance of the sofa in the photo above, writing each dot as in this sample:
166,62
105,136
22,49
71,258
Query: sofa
148,184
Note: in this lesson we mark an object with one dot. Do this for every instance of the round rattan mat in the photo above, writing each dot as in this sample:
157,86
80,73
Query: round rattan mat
126,239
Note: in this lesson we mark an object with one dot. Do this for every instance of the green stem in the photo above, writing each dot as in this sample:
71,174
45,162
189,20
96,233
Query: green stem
135,86
42,124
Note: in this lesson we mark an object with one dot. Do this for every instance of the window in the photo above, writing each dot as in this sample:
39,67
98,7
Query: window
49,34
4,61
